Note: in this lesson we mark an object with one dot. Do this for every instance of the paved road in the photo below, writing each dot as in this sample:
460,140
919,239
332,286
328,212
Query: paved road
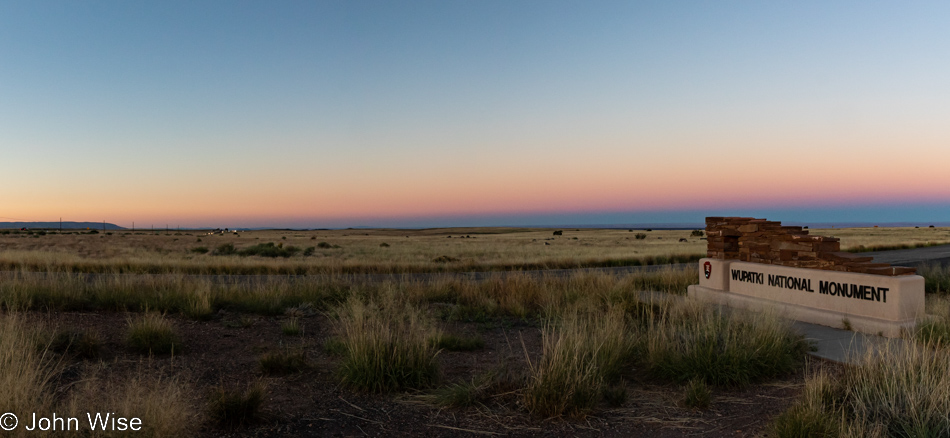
913,257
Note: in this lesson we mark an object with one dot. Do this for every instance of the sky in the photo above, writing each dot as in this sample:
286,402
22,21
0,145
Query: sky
452,113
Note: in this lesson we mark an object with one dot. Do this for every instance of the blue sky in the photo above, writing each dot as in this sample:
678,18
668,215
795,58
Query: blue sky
482,112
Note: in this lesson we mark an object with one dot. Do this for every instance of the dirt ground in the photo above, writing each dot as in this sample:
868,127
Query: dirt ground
225,350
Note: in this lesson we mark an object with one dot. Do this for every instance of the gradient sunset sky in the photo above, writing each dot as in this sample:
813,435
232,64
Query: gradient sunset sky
449,113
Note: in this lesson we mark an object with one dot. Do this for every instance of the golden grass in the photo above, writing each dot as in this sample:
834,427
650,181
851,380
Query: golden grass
30,383
581,352
26,372
898,391
165,405
387,344
362,251
359,250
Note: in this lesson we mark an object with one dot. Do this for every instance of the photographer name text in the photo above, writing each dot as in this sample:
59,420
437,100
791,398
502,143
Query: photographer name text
97,421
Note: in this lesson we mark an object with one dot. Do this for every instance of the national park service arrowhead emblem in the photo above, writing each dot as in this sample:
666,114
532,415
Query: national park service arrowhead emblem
707,269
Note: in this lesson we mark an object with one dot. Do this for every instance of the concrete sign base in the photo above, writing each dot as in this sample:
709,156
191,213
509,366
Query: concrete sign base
876,304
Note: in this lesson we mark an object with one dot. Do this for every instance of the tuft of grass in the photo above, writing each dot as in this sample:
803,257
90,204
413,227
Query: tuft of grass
899,390
151,333
697,394
809,416
458,343
165,404
458,395
283,362
690,341
199,305
230,407
936,278
846,324
334,347
80,344
615,396
479,390
26,373
387,344
579,353
935,328
291,326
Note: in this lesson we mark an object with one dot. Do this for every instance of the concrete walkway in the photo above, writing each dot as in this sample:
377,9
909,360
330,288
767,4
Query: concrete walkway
842,346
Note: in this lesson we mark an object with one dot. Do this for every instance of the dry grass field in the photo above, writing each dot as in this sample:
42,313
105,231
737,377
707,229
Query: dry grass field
589,354
347,251
385,251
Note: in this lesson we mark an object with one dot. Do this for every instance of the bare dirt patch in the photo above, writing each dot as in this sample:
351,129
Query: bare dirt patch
225,350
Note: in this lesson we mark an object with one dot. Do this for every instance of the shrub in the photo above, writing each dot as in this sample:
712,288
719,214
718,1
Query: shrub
200,249
269,250
696,233
153,334
640,236
225,249
387,345
559,233
384,245
236,407
309,251
324,245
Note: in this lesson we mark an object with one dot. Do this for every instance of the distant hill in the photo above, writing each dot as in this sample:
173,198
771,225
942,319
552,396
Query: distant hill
56,225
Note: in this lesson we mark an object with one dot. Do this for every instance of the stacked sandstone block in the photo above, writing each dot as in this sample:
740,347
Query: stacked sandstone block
768,242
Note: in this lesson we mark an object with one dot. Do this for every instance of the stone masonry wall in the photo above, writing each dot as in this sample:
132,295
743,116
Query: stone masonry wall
768,242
